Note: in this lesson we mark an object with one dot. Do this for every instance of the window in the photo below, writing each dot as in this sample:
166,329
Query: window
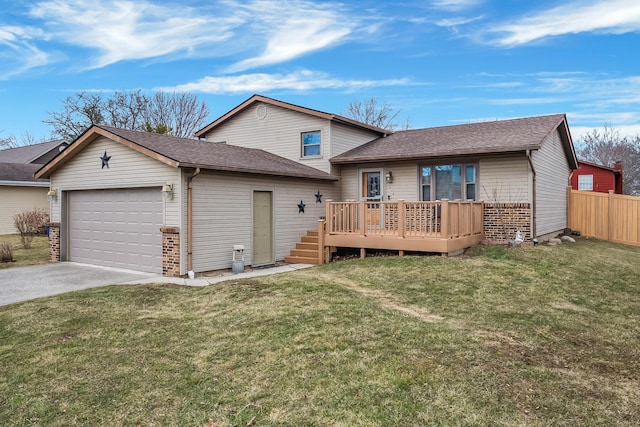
453,182
311,144
585,182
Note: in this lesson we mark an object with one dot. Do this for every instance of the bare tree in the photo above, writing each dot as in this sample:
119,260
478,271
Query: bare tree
12,142
374,113
607,147
176,113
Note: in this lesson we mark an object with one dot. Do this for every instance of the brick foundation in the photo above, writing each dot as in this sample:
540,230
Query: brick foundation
502,220
170,251
54,242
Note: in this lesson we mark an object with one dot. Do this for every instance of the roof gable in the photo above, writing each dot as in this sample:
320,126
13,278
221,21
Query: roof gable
494,137
192,153
263,99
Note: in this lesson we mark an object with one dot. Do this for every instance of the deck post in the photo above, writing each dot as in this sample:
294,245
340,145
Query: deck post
327,216
402,223
444,219
363,253
362,223
321,231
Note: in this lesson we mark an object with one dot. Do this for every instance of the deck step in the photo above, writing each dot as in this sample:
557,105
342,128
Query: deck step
300,260
309,239
307,245
307,253
312,232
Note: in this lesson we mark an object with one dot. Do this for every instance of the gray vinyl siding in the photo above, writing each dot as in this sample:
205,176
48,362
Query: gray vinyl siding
504,180
127,169
222,215
552,179
345,138
278,133
19,199
500,179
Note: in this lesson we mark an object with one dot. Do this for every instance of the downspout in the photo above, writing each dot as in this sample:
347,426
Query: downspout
534,233
190,219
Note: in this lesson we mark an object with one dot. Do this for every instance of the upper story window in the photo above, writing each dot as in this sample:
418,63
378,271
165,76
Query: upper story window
585,182
452,182
311,143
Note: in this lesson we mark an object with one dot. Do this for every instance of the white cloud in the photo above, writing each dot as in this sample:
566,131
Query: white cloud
17,51
294,31
259,82
602,16
266,31
455,5
122,30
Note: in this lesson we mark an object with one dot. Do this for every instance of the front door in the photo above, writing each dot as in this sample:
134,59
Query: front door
262,228
371,192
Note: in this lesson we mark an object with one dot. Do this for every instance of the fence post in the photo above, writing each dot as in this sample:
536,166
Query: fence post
401,219
610,217
444,219
321,231
362,223
569,222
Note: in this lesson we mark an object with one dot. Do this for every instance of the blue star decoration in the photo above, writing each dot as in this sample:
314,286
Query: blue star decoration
318,197
301,206
105,160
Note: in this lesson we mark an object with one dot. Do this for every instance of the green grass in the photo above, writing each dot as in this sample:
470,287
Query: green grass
502,337
38,253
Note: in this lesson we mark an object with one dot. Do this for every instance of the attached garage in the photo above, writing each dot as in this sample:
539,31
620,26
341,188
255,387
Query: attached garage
161,204
116,228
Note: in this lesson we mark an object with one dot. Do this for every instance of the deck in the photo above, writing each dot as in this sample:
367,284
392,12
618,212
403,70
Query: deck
442,227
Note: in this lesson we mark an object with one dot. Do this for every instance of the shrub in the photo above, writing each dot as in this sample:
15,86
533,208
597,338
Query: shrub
6,253
29,223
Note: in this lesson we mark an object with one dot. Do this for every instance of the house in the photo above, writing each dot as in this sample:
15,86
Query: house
594,177
267,171
19,190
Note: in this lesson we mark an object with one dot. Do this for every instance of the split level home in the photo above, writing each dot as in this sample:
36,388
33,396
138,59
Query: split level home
19,190
286,182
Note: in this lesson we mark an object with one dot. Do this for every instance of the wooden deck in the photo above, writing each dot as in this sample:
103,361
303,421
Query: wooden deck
443,227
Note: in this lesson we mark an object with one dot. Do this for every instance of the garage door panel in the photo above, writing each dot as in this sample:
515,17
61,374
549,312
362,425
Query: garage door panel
117,228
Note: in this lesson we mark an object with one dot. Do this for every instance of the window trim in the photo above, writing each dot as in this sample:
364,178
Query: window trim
303,146
582,185
463,179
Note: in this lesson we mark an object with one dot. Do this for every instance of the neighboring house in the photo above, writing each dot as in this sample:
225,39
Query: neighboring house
594,177
267,171
19,190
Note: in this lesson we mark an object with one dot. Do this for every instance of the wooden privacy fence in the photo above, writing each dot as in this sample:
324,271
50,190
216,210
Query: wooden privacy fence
612,217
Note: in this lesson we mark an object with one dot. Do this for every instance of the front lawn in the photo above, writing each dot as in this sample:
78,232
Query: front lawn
503,337
38,253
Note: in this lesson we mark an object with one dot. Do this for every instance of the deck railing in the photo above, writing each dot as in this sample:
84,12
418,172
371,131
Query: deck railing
442,219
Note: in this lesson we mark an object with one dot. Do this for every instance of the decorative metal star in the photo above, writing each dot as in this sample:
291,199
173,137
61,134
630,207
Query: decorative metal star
318,197
301,206
105,160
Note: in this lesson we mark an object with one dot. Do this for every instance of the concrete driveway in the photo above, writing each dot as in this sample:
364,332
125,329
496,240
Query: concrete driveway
25,283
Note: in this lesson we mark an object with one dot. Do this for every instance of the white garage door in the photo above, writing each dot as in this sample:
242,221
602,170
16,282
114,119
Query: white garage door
117,228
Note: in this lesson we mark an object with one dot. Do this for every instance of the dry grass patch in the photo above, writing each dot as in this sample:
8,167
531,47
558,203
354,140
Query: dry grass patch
38,253
524,337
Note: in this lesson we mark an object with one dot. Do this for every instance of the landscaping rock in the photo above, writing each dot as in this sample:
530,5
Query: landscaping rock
568,239
555,241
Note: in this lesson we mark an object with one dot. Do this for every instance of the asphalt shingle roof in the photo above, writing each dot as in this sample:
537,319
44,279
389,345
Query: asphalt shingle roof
218,156
476,138
19,172
27,153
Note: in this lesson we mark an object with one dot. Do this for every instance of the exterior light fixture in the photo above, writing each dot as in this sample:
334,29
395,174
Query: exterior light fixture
52,195
167,191
389,176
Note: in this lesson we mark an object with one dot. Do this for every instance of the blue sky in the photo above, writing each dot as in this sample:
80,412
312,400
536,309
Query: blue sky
440,62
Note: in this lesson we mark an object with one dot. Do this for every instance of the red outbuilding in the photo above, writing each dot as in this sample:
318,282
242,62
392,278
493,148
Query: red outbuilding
593,177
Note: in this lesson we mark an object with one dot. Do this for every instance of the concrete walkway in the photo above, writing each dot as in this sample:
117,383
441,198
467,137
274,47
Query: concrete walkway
223,277
25,283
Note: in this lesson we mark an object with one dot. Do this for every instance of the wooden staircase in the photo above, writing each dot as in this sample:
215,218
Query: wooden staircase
306,251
